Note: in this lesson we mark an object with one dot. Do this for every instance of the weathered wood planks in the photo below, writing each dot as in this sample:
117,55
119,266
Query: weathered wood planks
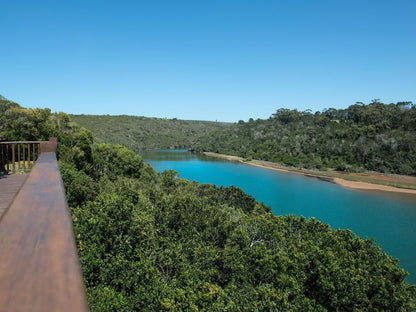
39,267
9,186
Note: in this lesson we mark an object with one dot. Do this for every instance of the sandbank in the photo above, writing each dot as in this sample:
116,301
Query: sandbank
373,187
356,185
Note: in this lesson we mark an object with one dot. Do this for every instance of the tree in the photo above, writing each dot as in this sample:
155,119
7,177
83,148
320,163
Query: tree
286,115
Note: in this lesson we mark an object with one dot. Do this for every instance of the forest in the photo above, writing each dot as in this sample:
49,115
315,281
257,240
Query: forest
151,241
143,133
375,137
363,137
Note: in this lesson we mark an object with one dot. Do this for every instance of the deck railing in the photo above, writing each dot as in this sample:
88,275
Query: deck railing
39,266
22,155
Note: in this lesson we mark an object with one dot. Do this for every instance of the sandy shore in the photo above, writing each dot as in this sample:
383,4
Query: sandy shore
356,185
373,187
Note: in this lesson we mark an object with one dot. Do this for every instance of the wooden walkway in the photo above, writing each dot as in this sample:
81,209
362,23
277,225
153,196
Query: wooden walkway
39,267
9,187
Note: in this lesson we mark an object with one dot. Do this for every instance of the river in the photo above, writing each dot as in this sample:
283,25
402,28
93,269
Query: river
388,218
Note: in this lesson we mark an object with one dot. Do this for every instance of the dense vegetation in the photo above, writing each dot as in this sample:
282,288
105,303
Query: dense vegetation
151,241
376,137
140,133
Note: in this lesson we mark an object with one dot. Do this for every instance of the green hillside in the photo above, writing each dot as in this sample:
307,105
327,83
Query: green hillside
139,133
376,137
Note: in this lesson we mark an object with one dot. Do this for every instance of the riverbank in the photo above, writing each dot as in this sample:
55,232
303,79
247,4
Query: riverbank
357,181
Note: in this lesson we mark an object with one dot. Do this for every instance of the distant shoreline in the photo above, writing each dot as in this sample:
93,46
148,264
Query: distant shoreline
351,181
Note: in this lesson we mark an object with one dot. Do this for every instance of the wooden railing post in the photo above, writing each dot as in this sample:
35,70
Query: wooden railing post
2,162
33,155
24,157
13,159
7,158
48,146
2,159
10,156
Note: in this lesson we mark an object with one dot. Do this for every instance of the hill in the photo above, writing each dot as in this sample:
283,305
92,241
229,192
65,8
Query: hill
140,133
376,137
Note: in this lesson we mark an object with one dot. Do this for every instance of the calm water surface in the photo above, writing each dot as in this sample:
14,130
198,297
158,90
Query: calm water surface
390,219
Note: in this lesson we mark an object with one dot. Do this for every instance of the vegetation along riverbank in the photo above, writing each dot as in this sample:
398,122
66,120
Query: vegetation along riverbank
362,138
371,147
359,181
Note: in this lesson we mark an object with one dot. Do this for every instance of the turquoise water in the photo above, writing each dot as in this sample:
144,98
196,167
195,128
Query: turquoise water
389,219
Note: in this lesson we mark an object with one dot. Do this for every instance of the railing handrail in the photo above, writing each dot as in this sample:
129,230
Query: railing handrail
9,154
21,142
39,266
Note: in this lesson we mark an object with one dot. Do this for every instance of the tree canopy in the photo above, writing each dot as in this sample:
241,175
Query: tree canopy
376,137
151,241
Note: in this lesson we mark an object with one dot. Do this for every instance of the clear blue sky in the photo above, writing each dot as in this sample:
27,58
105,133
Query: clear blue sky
206,60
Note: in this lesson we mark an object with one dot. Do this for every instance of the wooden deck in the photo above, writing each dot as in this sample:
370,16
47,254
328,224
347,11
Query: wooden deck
39,266
9,187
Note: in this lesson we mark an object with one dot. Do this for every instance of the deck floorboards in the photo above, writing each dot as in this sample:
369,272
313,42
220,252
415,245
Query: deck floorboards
9,187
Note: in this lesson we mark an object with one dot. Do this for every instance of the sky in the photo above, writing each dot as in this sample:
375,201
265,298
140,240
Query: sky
206,60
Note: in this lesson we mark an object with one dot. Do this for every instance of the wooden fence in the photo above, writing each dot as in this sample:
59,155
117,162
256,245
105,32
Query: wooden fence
22,155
